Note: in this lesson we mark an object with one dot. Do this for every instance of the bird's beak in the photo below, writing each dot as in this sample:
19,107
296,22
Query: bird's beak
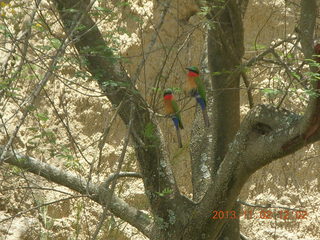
188,68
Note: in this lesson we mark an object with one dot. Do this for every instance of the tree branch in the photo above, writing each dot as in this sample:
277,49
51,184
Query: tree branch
40,85
259,142
267,206
248,88
243,237
153,40
113,184
269,50
225,39
114,176
116,84
97,193
311,122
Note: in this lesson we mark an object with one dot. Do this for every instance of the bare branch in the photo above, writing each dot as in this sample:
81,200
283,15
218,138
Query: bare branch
97,193
38,206
114,176
153,40
267,206
269,50
107,71
113,185
259,141
29,103
22,39
106,131
248,88
243,237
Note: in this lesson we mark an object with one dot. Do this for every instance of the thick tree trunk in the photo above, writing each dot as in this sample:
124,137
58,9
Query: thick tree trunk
225,51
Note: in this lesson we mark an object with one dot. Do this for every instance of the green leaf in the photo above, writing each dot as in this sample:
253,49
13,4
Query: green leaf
42,117
270,91
177,90
56,43
295,75
260,46
124,4
22,160
312,93
166,191
156,89
110,83
313,76
33,129
31,108
149,130
16,169
81,74
105,10
312,62
51,136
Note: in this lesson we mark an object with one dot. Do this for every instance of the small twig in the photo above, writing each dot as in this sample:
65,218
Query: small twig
29,103
258,58
37,188
243,237
152,42
39,206
267,206
115,176
22,37
248,86
288,71
103,137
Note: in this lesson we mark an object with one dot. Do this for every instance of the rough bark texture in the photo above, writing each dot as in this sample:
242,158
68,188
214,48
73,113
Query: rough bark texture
225,39
307,24
201,141
153,159
95,192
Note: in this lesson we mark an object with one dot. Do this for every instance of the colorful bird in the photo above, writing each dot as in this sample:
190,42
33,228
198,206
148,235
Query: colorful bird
196,88
171,109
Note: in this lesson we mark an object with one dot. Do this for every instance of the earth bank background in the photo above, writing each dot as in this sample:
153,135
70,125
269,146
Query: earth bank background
290,182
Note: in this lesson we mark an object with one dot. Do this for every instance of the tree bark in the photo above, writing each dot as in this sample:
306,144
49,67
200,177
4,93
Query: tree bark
150,149
307,24
225,48
98,193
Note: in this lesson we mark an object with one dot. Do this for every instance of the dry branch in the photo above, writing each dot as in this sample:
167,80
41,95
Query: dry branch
96,192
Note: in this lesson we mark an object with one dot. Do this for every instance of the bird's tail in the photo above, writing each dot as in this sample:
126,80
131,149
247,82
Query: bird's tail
201,101
203,106
177,122
179,137
205,117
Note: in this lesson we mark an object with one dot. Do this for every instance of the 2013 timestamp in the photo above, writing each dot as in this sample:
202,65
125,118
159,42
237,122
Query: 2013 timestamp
262,214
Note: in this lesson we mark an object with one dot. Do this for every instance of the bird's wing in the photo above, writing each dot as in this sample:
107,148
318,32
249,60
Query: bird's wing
201,88
175,106
176,110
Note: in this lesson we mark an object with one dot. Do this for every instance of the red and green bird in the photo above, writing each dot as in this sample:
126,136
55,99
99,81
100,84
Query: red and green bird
196,88
171,109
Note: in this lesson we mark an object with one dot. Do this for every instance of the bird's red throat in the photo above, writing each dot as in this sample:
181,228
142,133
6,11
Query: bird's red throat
193,74
168,97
